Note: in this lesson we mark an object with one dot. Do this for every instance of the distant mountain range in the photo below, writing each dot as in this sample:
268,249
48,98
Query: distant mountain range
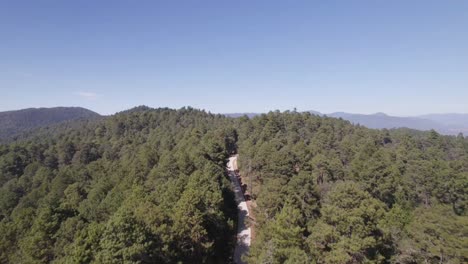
449,124
13,123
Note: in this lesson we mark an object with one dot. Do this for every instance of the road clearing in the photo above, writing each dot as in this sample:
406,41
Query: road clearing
243,231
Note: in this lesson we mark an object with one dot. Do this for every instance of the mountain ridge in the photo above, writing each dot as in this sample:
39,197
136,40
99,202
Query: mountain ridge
16,122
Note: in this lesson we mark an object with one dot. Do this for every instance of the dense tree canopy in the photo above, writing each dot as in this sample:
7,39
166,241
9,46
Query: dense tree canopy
142,186
353,195
149,186
15,123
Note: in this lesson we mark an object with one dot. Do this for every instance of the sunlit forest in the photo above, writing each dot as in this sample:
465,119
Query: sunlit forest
331,192
150,186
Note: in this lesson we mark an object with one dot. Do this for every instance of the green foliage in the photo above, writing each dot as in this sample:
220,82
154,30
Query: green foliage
281,240
435,235
149,186
143,186
348,230
357,190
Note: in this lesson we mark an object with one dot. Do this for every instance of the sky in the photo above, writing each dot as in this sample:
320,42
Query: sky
397,57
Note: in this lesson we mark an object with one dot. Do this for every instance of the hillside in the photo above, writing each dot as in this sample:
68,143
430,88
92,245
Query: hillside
150,186
326,191
144,186
13,123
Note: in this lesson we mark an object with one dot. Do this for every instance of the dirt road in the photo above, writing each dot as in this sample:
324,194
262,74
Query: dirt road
243,232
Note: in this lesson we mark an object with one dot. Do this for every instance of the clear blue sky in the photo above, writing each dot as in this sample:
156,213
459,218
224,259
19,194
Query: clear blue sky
398,57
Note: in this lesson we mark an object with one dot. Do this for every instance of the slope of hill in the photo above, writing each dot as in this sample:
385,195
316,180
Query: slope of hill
325,191
141,186
150,186
13,123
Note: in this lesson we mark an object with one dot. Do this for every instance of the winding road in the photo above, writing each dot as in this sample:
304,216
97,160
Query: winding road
243,231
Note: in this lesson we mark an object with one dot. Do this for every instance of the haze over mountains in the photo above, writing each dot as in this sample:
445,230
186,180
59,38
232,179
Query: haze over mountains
449,124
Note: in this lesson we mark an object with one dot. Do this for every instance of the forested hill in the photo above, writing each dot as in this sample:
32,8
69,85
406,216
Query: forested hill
329,192
149,186
13,123
137,187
